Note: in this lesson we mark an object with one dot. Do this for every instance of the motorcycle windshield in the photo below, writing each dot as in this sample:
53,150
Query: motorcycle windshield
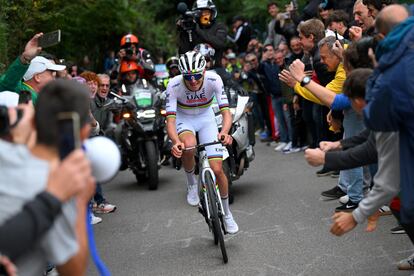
143,98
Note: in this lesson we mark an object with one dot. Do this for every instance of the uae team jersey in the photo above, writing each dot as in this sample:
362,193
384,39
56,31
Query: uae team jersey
184,101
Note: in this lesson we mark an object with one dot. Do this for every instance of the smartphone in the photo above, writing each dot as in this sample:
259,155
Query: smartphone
336,35
68,133
49,39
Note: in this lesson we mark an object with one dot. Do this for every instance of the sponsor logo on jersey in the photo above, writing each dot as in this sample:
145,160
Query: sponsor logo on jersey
194,98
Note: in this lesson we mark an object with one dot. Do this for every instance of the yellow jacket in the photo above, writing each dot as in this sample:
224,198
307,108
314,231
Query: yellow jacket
335,86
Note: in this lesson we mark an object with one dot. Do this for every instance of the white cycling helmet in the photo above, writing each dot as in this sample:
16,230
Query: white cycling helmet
191,63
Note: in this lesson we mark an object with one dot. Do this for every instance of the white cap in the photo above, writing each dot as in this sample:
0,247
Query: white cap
9,99
39,65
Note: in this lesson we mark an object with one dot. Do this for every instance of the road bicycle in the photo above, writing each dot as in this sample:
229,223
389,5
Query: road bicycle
210,205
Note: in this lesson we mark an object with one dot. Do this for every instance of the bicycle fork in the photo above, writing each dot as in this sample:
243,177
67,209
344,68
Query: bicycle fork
220,208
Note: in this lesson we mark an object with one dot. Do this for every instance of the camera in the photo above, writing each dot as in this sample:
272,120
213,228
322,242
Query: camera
188,17
129,52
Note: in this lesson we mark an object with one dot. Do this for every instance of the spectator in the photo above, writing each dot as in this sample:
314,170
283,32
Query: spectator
102,115
325,9
65,244
73,70
310,33
104,118
296,50
109,62
390,107
365,22
36,71
259,96
22,231
284,48
338,21
375,6
255,47
270,70
233,64
92,81
242,33
272,37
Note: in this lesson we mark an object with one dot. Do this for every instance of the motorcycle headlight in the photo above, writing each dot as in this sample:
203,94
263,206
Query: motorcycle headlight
126,115
146,114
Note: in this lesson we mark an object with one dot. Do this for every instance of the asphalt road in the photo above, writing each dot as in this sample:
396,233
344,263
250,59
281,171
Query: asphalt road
284,228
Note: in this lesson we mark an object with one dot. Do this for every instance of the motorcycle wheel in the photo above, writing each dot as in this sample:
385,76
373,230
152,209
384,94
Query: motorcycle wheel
226,169
152,165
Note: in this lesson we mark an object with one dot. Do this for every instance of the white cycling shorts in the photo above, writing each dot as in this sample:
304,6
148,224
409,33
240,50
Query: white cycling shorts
205,125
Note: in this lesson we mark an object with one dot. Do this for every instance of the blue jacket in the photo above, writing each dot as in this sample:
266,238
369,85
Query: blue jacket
270,72
390,97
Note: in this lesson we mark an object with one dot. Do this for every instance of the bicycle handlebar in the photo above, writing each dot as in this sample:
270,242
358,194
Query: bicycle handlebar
202,146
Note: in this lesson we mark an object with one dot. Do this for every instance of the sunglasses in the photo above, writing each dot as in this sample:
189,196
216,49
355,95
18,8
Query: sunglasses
193,76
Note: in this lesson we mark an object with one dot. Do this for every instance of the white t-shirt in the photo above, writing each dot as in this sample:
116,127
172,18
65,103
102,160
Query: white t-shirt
22,177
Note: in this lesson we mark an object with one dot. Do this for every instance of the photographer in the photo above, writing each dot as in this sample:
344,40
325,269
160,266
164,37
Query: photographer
200,26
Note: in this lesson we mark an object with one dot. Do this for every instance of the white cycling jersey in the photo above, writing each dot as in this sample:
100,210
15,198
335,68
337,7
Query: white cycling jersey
182,100
193,111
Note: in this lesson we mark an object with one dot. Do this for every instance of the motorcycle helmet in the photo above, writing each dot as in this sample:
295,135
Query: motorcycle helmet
128,66
129,39
191,63
146,63
206,5
172,62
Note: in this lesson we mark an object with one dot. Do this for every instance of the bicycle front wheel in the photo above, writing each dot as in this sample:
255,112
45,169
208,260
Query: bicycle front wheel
215,220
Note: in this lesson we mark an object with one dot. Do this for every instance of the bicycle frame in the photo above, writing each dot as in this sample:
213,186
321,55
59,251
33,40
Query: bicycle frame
204,167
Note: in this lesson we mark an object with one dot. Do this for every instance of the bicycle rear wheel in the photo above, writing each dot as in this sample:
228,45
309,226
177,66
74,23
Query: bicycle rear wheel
215,220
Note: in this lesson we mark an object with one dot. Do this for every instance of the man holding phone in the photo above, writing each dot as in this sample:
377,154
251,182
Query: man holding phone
65,244
36,71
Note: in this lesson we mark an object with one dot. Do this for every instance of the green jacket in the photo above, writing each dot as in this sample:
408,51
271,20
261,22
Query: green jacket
11,80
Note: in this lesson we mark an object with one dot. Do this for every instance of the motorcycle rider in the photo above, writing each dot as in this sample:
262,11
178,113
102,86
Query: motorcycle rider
129,73
172,67
205,29
189,98
130,51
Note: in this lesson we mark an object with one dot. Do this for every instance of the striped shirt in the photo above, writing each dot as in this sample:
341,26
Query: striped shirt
182,100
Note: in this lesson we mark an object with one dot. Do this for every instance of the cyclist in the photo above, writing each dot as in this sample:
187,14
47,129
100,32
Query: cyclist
189,111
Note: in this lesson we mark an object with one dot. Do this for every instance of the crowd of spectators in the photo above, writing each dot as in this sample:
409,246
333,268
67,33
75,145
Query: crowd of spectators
333,82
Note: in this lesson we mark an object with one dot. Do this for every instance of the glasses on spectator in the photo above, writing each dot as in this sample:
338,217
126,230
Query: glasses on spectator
104,85
252,60
193,76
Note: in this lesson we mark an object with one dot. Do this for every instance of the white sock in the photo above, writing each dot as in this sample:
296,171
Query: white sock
226,206
191,177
